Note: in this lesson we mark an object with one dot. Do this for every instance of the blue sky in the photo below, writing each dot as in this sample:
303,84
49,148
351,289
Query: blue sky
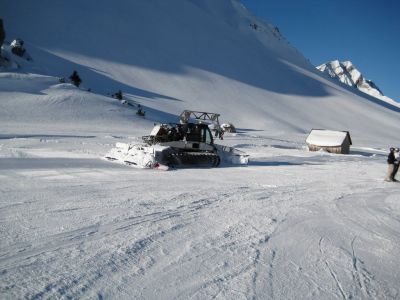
366,32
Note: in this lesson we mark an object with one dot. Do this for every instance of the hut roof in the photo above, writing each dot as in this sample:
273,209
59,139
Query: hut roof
327,138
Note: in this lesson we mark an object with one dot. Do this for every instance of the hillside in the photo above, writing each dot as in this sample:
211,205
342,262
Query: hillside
185,55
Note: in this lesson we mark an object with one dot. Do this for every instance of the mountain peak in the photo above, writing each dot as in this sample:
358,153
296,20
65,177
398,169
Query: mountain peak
348,74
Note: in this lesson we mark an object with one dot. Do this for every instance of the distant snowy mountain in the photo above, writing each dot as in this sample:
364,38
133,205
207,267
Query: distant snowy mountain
348,74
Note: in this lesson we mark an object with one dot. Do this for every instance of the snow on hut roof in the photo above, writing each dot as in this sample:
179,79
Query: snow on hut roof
326,138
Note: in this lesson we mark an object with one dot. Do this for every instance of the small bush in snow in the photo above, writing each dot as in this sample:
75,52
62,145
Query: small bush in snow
254,26
75,79
140,111
119,95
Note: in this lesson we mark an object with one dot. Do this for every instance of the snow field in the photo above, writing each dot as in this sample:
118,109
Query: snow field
290,224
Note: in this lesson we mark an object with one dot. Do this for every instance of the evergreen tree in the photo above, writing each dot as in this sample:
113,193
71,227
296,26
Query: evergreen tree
118,95
75,79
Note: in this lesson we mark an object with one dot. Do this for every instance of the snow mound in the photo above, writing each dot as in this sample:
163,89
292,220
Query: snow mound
39,103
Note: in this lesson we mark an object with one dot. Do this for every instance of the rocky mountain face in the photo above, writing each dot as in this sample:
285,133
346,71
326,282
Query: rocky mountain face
348,74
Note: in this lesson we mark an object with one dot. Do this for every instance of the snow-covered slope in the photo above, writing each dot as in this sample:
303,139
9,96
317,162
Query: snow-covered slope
348,74
30,102
200,55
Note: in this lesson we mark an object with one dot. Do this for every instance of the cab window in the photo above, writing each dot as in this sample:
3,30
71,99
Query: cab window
206,136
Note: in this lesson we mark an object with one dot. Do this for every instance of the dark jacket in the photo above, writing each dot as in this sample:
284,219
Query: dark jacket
2,32
391,159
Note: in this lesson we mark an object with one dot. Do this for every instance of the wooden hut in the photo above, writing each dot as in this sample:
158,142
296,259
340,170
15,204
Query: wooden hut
328,140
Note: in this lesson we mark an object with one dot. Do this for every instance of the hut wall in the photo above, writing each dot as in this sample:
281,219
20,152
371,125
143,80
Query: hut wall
346,146
337,149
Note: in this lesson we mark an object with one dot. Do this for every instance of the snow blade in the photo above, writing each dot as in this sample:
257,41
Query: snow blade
231,155
139,156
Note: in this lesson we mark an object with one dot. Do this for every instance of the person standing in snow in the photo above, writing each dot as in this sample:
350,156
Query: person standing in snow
2,34
391,166
396,163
